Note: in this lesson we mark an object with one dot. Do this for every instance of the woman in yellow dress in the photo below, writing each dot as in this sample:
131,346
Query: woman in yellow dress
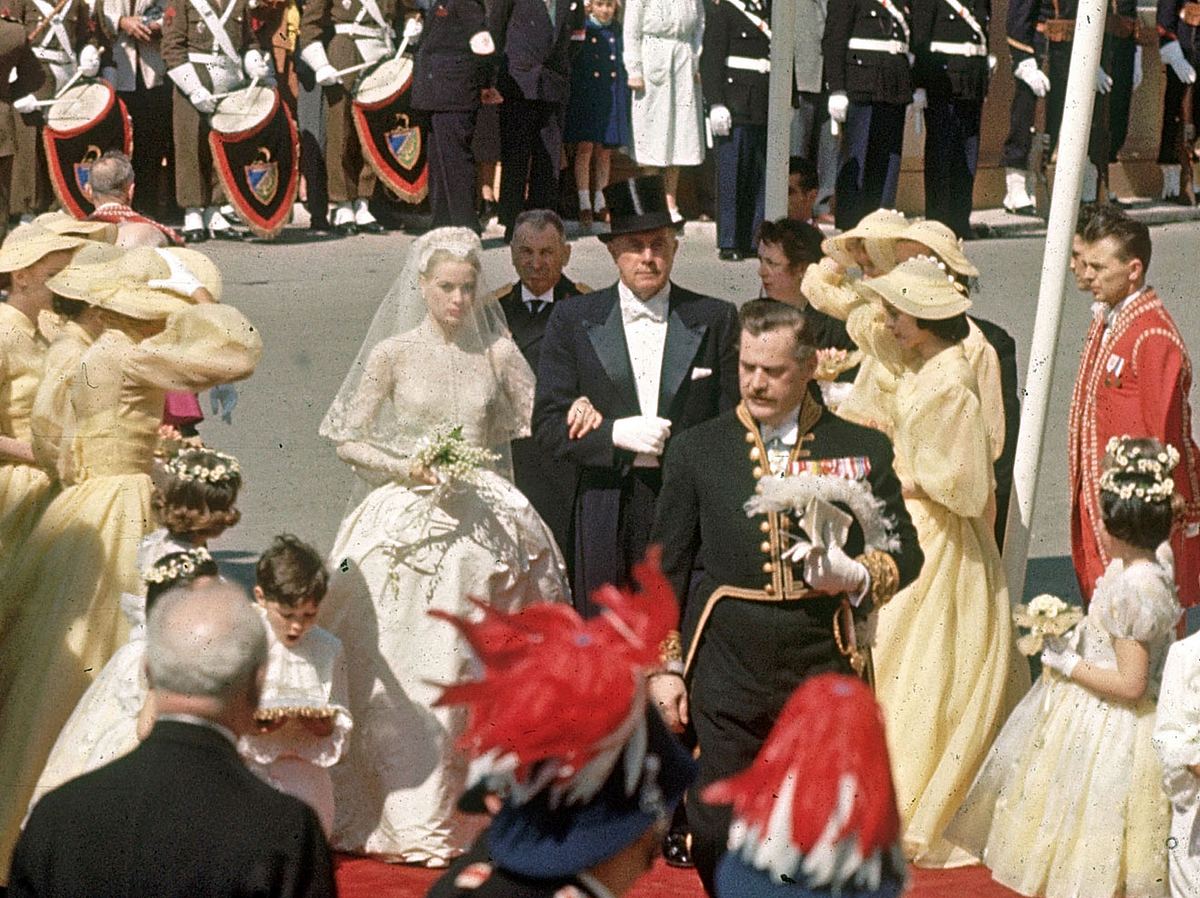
82,554
946,668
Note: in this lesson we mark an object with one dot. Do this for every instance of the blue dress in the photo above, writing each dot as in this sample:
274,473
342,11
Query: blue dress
598,111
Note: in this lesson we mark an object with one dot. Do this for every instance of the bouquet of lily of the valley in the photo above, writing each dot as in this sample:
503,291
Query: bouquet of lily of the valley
1045,615
447,453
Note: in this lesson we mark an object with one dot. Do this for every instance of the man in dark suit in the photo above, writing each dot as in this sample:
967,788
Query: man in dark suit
181,815
756,617
533,41
539,254
652,359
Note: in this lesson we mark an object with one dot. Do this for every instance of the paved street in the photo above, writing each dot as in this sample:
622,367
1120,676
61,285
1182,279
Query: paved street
314,301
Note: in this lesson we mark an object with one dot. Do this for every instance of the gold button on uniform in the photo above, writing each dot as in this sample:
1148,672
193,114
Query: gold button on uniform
769,589
765,547
758,472
768,567
749,437
755,455
765,526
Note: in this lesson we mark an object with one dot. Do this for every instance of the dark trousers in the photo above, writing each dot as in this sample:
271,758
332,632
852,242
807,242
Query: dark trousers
951,154
1110,118
1023,112
310,122
452,169
1168,144
869,169
153,148
530,153
741,185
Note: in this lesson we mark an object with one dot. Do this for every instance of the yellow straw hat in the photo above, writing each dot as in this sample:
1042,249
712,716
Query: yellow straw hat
69,226
943,243
28,243
922,288
882,224
122,285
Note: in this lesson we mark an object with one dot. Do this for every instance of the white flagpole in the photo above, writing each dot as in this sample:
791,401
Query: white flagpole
779,116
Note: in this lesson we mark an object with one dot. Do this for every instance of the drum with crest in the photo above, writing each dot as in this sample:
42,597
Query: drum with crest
391,139
256,150
85,121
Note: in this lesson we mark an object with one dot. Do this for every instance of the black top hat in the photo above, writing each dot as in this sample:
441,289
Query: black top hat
639,204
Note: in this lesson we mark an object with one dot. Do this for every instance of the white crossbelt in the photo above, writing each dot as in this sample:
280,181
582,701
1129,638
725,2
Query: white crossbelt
62,57
208,58
357,30
748,64
957,49
895,48
966,16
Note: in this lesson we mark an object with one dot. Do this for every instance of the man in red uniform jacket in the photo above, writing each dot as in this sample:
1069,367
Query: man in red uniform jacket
1134,377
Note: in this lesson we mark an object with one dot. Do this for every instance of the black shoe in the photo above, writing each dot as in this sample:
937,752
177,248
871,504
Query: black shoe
196,235
1022,210
371,227
1180,199
226,234
675,850
320,224
346,229
730,255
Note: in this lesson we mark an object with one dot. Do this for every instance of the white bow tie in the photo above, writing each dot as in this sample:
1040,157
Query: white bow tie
643,311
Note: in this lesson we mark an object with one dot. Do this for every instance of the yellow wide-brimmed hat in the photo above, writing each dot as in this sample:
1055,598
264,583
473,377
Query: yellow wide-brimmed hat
68,225
28,243
943,243
122,285
882,224
923,288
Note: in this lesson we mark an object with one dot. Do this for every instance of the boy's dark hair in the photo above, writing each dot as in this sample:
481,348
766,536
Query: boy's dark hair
291,572
800,241
952,330
806,170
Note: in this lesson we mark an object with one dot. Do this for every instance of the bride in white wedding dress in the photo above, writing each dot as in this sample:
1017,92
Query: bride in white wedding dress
437,357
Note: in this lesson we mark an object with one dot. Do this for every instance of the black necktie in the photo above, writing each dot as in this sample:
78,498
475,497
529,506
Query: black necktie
536,306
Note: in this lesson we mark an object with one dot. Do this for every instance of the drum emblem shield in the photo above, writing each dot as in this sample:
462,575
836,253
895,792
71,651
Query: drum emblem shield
404,143
262,177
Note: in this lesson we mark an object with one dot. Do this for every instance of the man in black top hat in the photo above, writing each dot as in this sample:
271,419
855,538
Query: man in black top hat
652,359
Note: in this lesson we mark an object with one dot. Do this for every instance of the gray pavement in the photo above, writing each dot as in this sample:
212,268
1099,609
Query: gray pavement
313,302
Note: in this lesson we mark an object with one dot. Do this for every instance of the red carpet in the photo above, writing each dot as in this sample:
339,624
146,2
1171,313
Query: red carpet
360,878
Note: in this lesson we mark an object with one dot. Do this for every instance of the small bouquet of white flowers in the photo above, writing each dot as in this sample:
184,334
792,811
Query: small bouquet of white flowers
1045,615
447,453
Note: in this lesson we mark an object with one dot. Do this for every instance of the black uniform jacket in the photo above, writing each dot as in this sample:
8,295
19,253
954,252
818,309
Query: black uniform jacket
868,75
949,74
534,53
730,32
447,74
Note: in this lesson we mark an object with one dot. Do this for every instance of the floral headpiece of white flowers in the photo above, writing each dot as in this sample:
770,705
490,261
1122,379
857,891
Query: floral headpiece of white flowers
1132,464
183,466
183,566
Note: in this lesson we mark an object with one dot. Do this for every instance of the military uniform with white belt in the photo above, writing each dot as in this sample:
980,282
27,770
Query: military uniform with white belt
735,69
868,70
66,44
335,35
1178,24
952,71
209,48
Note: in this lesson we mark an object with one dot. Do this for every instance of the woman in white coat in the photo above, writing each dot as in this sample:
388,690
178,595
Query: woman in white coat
662,58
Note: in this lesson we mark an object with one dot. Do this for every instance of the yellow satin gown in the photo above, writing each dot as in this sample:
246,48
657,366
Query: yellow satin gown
82,554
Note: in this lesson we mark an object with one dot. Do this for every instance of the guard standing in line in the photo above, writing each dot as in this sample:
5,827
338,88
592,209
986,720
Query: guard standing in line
452,76
1179,48
14,58
1027,40
335,36
952,70
868,69
1119,75
65,42
735,70
206,51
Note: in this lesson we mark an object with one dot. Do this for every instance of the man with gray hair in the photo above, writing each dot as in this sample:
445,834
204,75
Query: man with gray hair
181,815
110,187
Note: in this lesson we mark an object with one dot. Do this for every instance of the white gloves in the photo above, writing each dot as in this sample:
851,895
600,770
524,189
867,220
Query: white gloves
1103,81
187,79
412,30
326,76
223,400
1172,55
26,105
203,100
256,66
89,61
1137,66
181,279
920,100
720,120
641,433
839,105
832,571
1027,70
314,57
1058,656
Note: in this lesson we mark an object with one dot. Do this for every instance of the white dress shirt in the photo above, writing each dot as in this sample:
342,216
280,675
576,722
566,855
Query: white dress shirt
787,433
131,56
528,297
645,325
194,720
1109,313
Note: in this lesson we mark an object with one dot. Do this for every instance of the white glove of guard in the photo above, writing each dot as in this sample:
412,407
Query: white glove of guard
202,99
256,66
720,120
1104,81
839,105
1059,657
1027,70
920,101
641,433
1137,67
89,61
181,279
832,571
326,76
26,104
412,30
1172,55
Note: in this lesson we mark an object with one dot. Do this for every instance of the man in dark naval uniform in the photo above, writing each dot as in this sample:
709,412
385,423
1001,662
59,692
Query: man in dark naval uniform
754,620
539,254
867,69
653,360
1179,48
736,72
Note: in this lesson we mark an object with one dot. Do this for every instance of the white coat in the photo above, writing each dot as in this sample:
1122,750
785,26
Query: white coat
1177,739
